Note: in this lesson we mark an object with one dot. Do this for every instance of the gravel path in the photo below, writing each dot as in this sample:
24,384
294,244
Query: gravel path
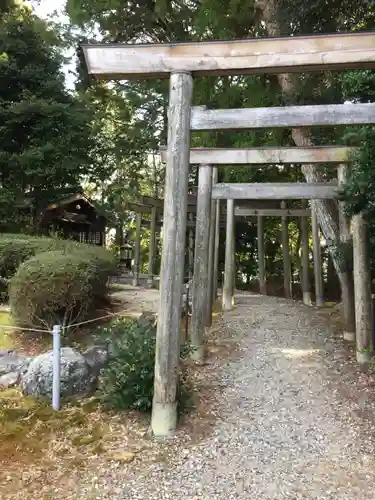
285,430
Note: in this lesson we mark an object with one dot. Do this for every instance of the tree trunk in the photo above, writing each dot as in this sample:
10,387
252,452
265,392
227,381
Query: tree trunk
326,210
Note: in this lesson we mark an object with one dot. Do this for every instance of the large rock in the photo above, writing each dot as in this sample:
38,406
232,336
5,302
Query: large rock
76,375
11,361
96,356
9,380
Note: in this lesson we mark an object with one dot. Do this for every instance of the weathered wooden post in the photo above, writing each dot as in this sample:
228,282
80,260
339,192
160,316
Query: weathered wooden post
137,249
211,256
201,259
261,255
234,259
229,260
164,409
318,278
152,247
216,255
347,287
305,281
190,246
362,290
286,255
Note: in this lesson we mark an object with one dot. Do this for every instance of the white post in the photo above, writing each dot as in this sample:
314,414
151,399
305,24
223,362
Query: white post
229,259
167,355
318,278
362,290
201,260
56,332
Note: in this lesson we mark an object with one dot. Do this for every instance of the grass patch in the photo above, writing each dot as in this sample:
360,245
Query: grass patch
28,426
7,338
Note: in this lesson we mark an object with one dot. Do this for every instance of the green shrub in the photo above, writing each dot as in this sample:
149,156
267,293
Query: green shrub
128,379
17,248
59,287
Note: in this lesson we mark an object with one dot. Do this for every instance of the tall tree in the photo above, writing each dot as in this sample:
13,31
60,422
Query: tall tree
44,130
280,17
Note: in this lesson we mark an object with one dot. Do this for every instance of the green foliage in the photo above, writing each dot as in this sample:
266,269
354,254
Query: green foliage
166,21
128,379
359,190
358,85
57,287
44,130
15,249
343,254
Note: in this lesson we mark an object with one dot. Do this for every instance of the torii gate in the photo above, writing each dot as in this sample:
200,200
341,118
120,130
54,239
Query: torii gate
204,274
179,62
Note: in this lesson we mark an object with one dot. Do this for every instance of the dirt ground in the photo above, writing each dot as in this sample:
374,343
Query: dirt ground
134,299
269,362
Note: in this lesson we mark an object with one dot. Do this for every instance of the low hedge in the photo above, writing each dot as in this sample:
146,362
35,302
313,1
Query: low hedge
60,287
17,248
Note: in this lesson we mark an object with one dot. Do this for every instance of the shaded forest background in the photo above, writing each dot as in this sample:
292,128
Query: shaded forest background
106,136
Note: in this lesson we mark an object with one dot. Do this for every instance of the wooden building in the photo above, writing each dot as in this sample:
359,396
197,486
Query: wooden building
75,217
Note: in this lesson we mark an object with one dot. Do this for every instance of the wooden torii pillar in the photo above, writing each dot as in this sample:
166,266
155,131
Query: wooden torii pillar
318,277
177,62
201,260
213,227
305,278
286,253
137,249
152,248
261,255
348,288
228,285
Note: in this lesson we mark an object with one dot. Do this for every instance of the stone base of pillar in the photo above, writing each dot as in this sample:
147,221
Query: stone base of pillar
164,419
349,336
319,302
363,357
307,298
197,353
228,302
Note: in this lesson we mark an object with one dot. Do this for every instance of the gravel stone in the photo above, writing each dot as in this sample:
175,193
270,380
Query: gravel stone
285,431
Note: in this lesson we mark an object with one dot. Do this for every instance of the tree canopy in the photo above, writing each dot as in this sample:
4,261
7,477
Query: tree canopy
106,135
44,130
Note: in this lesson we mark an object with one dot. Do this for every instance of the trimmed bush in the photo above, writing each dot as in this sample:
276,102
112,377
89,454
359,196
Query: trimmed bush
127,380
17,248
59,287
